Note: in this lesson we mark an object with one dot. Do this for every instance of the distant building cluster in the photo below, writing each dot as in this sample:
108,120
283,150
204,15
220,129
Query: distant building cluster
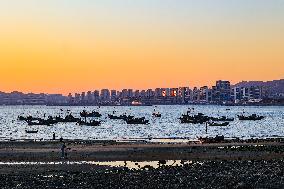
19,98
222,93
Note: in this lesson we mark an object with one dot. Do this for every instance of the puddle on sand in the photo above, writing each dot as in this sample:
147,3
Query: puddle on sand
139,165
171,140
127,164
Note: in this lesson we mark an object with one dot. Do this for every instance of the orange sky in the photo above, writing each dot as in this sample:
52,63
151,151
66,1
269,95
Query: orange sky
59,49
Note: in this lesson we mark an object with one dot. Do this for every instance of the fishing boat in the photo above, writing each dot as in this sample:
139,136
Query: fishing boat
68,119
136,103
114,116
91,123
195,119
214,124
84,113
141,121
123,117
21,118
223,118
39,121
28,118
252,117
31,131
157,114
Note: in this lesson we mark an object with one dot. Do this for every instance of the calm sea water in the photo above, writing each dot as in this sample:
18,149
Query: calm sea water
166,127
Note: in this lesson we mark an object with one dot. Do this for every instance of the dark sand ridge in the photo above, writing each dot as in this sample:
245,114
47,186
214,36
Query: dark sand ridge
209,174
49,151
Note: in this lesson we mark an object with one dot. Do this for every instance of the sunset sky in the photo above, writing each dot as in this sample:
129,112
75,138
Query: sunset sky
61,46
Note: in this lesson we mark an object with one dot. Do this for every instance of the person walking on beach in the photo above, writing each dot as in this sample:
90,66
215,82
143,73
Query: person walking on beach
63,150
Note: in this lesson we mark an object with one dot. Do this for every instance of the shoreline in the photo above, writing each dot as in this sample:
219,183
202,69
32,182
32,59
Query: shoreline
146,105
150,140
80,150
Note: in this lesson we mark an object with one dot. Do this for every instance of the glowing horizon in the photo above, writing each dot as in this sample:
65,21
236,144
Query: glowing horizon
71,46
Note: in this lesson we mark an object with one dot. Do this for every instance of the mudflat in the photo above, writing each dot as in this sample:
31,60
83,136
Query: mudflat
50,151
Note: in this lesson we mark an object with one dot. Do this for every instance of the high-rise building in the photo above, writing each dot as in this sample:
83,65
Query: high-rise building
182,94
90,97
105,95
196,95
237,94
168,91
113,94
244,94
118,94
174,92
188,94
77,98
150,93
83,97
96,94
165,92
124,93
222,91
70,98
143,93
205,94
58,99
255,92
158,92
34,99
136,93
130,93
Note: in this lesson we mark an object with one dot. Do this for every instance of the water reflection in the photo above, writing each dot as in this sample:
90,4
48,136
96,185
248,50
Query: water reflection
144,164
126,164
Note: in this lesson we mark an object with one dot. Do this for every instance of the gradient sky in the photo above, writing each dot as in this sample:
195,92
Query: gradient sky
61,46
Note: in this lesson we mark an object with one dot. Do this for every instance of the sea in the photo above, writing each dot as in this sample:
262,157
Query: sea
166,127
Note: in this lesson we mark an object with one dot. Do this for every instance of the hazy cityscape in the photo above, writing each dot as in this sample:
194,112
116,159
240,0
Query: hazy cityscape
243,93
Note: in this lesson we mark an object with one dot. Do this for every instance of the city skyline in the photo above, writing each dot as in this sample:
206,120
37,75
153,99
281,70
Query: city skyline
72,46
134,89
244,93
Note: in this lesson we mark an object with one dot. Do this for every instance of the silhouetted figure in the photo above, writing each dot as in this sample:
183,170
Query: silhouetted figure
63,155
53,136
61,139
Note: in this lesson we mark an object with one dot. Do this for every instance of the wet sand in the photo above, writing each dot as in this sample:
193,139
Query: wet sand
50,151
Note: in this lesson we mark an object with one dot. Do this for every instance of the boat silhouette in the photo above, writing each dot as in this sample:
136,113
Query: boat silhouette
137,121
252,117
214,124
91,123
31,131
84,113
